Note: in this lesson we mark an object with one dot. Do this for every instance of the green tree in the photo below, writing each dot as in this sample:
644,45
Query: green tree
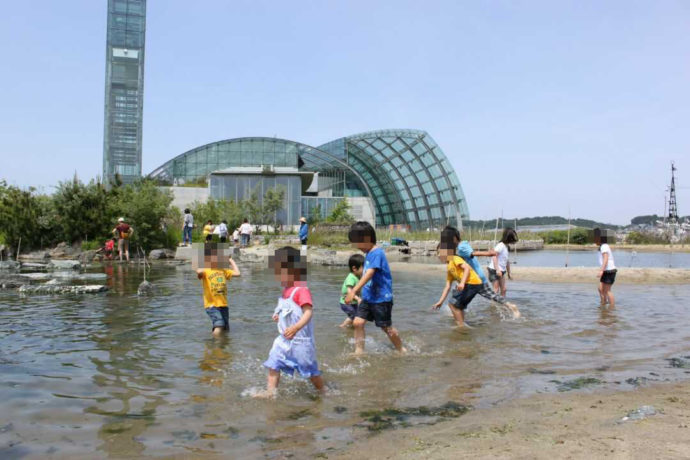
315,217
148,210
272,203
19,216
83,211
341,214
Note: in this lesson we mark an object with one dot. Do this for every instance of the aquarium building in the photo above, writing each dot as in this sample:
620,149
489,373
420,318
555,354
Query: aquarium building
390,177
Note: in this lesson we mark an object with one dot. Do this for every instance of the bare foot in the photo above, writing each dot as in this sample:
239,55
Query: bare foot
356,354
402,351
265,394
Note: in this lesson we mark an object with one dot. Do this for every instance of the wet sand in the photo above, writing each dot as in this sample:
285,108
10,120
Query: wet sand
571,274
549,426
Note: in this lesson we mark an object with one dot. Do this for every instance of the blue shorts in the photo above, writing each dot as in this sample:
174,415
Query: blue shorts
349,309
379,313
219,317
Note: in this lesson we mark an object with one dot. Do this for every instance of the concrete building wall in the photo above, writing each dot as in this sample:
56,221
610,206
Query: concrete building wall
361,209
185,196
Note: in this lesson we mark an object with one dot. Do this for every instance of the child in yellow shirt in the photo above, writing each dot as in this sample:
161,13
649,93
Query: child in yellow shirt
469,283
214,282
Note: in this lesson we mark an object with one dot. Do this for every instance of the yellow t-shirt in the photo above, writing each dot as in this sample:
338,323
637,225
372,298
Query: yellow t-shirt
215,288
208,229
455,271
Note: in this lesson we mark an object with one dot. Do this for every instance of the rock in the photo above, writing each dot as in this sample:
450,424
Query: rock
10,265
87,257
146,289
62,250
36,255
157,254
33,267
56,265
62,289
639,414
52,282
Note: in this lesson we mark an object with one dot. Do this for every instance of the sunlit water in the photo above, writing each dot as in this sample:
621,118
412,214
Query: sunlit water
117,375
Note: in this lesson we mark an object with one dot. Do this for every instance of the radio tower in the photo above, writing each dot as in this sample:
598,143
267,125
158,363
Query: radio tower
672,207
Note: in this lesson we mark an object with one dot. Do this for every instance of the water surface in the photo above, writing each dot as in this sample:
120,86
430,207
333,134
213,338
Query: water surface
116,375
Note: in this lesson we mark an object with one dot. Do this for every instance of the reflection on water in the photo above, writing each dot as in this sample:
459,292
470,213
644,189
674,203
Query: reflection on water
119,375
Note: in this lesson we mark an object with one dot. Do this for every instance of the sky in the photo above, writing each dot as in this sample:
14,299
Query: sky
542,107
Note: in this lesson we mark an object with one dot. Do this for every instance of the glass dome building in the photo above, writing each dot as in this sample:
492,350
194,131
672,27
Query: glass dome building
401,176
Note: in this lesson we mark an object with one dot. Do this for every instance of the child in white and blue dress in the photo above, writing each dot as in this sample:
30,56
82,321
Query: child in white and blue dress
294,349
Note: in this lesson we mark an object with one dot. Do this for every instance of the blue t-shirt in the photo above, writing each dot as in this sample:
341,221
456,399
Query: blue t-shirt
303,231
465,251
380,288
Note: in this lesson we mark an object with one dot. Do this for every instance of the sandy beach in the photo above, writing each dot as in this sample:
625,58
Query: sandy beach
549,426
571,274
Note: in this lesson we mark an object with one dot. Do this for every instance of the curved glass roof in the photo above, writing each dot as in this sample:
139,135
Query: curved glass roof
408,174
404,172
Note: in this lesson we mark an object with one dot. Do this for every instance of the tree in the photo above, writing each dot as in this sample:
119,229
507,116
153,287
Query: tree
83,211
19,216
341,214
272,203
315,217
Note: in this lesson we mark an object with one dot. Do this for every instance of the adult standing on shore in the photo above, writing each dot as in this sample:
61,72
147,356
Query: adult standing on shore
245,232
123,231
303,232
187,227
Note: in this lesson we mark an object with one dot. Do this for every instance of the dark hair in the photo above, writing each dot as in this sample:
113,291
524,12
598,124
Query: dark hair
245,220
210,248
225,222
290,258
361,230
186,210
450,237
600,236
209,221
509,236
356,261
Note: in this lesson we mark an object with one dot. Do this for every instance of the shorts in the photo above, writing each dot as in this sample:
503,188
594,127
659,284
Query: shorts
223,239
461,299
379,313
609,276
209,237
493,276
303,241
219,317
349,309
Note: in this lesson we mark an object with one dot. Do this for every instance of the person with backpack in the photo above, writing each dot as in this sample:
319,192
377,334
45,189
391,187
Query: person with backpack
123,232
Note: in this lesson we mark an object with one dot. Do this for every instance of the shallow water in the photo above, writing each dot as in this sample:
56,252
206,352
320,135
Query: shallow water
117,375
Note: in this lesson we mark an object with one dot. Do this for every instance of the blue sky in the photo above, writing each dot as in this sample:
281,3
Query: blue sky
539,105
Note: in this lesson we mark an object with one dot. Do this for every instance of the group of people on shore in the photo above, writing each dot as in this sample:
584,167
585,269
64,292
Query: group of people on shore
241,235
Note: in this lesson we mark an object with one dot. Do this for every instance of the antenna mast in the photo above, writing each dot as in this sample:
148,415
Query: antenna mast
672,206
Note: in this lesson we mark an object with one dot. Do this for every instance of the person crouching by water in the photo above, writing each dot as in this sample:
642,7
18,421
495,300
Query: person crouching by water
123,232
214,279
303,232
499,265
294,349
607,267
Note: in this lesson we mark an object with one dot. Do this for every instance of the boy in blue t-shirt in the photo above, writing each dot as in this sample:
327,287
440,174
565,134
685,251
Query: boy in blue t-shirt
376,286
466,252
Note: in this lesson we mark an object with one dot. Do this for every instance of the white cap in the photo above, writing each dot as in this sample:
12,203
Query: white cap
121,219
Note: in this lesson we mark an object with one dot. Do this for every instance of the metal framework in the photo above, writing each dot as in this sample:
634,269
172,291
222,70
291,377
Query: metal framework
404,173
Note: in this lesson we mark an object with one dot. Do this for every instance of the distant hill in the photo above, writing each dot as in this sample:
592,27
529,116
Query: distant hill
545,220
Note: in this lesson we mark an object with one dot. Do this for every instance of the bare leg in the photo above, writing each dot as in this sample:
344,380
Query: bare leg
514,309
360,335
609,295
602,298
346,323
458,315
497,285
218,331
272,381
317,381
502,281
394,337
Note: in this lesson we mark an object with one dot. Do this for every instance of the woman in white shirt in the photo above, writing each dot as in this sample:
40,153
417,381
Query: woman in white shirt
607,267
499,265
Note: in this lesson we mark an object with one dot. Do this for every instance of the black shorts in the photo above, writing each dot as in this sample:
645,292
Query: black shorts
461,299
349,309
303,241
493,276
609,276
379,313
209,237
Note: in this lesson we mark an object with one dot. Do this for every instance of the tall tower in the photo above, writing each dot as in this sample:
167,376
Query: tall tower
672,206
124,90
